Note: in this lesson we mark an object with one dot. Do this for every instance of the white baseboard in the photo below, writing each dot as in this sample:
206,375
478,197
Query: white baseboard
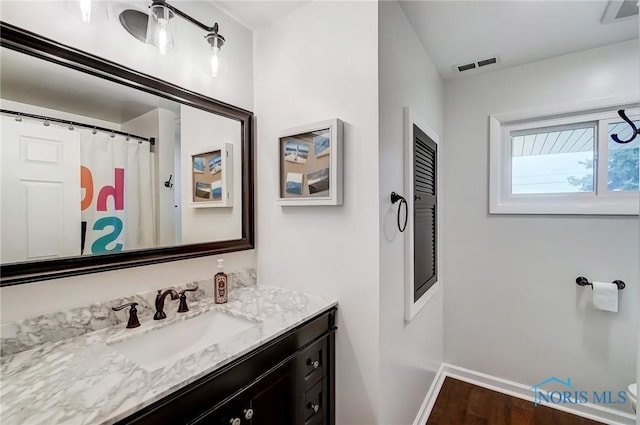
587,410
430,399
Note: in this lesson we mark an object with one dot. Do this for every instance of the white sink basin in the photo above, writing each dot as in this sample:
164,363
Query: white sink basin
166,346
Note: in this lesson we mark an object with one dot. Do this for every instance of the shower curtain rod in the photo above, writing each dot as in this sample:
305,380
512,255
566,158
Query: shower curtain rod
151,140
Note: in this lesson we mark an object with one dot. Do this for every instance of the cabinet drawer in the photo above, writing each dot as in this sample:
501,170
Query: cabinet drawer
311,364
314,403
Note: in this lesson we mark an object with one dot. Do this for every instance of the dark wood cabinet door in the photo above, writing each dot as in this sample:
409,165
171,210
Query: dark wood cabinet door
266,402
273,405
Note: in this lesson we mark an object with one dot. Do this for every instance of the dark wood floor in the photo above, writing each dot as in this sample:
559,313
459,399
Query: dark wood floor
460,403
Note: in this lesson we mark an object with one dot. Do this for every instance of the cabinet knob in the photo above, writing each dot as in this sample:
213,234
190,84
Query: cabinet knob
313,407
248,414
235,421
314,363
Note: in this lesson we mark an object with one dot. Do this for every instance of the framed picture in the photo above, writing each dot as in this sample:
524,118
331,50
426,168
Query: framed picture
212,177
310,166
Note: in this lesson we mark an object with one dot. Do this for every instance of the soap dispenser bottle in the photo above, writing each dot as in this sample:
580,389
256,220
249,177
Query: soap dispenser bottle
220,284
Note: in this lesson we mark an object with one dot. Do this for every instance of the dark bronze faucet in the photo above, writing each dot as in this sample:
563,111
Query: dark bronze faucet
133,314
183,307
160,314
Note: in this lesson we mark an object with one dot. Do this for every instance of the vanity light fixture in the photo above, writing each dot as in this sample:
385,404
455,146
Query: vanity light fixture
159,29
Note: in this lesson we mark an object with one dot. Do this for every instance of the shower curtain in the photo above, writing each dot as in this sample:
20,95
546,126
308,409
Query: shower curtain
117,194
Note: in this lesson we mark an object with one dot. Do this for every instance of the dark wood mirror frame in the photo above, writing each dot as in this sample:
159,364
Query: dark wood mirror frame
32,44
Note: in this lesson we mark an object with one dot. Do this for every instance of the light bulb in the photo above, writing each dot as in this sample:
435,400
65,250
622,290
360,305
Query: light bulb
161,29
215,61
85,9
162,38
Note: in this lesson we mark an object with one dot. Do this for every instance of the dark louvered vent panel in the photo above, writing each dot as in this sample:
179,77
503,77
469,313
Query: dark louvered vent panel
425,213
425,174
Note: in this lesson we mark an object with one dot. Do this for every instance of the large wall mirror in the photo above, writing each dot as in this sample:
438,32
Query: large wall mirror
106,168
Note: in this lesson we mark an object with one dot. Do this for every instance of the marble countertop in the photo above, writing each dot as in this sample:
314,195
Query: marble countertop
82,380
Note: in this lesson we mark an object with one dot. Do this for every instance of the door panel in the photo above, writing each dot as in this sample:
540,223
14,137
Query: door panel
40,191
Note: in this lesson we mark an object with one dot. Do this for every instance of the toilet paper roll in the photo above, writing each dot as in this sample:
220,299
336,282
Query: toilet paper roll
605,296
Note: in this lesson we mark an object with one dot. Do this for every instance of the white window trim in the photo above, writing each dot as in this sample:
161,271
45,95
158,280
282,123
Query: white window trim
501,201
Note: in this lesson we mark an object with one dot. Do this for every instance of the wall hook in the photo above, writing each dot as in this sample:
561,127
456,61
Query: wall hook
168,182
635,131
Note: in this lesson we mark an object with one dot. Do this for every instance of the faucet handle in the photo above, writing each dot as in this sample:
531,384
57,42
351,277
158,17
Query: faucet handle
183,308
133,314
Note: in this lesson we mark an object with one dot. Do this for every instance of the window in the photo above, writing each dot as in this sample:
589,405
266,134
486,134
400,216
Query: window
566,164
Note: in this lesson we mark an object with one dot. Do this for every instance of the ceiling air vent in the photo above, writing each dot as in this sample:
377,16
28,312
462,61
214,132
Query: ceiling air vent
486,62
466,67
477,64
618,10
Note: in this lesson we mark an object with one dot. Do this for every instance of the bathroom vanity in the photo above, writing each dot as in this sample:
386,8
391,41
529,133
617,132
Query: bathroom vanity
272,363
288,380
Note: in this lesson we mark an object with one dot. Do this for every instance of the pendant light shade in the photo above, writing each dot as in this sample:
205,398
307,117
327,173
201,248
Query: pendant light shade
161,28
215,41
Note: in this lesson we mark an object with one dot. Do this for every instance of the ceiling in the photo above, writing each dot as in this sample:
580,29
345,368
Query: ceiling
459,32
254,14
72,91
518,32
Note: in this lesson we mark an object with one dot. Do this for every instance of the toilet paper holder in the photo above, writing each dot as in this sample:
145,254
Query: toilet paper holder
583,281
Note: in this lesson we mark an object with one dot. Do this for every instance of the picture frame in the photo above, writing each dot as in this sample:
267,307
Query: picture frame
212,177
310,164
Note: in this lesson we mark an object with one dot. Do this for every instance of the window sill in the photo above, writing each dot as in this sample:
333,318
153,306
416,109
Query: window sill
569,204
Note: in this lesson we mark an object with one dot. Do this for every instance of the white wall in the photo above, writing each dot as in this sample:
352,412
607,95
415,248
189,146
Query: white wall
204,132
105,37
60,21
410,352
512,308
317,63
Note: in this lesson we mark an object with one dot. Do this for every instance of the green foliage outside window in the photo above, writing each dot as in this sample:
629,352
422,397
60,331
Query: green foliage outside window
624,171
